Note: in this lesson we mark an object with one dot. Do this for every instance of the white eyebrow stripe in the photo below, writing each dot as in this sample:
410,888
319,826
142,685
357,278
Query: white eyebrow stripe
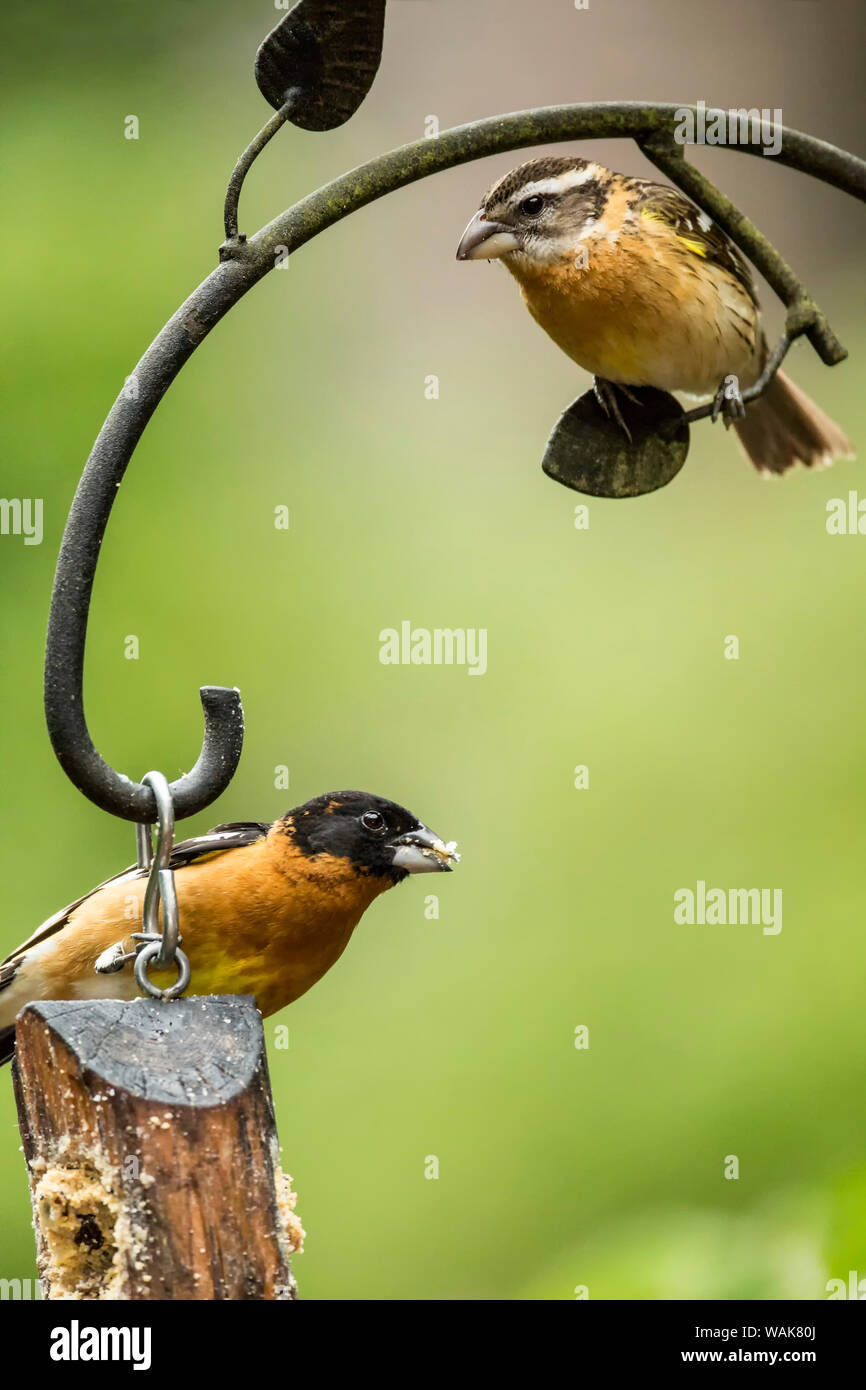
572,178
528,190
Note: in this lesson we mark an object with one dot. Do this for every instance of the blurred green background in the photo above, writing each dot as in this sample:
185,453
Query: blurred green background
455,1037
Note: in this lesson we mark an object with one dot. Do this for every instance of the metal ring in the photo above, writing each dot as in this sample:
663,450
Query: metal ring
160,884
150,953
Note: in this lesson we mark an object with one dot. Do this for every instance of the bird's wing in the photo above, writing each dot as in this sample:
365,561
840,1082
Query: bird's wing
234,835
696,231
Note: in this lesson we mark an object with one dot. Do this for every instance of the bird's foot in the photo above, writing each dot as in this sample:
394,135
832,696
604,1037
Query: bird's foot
112,959
605,394
728,402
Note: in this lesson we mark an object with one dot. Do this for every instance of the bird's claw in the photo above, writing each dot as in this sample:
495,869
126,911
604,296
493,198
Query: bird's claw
112,959
728,402
605,394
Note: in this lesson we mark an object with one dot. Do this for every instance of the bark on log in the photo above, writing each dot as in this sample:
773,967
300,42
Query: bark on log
151,1150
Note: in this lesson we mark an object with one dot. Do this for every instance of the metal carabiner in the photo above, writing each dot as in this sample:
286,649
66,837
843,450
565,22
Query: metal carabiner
161,948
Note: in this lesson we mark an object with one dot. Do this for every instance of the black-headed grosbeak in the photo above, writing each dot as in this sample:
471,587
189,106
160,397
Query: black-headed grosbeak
264,909
640,288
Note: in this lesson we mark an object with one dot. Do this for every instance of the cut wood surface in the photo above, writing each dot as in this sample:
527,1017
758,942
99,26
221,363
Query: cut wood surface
151,1150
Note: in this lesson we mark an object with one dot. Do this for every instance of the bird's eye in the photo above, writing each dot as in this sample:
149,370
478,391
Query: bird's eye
532,206
373,821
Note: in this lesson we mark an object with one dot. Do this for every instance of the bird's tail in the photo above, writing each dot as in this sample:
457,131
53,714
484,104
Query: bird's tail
7,1044
784,425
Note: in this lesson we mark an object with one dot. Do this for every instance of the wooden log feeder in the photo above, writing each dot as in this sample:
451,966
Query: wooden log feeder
151,1149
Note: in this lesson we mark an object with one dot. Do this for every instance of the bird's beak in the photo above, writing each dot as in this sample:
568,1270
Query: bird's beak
422,852
486,241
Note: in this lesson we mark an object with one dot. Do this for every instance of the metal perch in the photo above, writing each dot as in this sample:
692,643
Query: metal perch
245,261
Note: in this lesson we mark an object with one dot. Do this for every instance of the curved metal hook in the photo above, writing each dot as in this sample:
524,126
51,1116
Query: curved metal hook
73,587
243,266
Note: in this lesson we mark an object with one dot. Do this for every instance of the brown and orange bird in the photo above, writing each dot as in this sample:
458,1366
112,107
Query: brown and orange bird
264,909
641,288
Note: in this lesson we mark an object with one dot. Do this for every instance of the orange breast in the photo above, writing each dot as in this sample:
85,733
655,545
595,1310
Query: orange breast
644,313
261,920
